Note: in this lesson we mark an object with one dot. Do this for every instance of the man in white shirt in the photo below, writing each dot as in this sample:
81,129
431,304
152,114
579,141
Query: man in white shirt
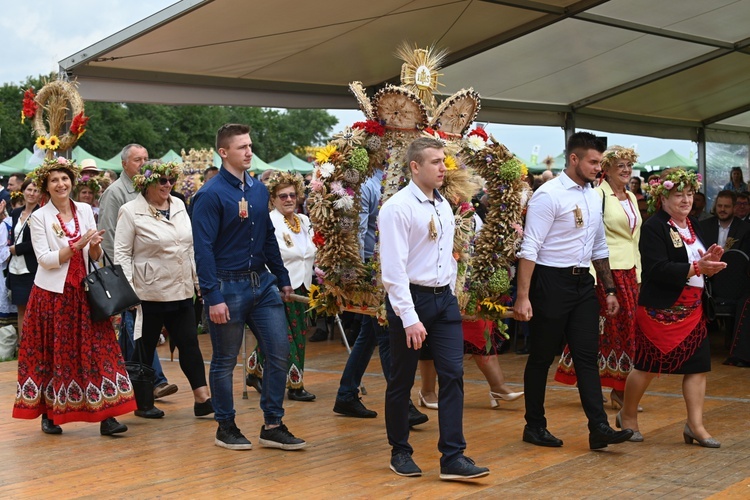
564,235
416,241
724,228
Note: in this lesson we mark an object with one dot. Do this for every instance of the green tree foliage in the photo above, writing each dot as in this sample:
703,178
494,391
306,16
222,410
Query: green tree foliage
160,128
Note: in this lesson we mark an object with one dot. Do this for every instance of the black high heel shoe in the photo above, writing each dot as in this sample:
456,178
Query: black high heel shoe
48,427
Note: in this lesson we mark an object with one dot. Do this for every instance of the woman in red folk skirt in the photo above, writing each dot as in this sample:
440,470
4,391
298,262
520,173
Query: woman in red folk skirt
70,369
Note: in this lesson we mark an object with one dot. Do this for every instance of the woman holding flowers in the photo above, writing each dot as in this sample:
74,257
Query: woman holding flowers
154,246
622,227
670,332
294,236
69,367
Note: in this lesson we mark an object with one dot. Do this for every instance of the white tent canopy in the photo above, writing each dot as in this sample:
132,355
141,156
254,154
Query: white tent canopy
670,68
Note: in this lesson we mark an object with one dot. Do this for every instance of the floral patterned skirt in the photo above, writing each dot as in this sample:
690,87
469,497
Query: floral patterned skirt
69,368
617,339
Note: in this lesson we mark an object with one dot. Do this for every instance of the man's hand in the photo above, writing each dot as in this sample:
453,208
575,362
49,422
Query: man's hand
286,293
522,309
219,313
415,335
612,305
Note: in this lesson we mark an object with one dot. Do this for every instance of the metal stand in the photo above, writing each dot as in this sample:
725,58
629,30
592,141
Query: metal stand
244,363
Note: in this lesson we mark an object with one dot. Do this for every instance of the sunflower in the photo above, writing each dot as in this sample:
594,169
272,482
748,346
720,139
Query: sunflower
450,163
324,153
53,142
41,142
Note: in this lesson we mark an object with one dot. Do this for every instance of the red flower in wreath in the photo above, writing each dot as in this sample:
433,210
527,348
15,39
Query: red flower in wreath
29,105
371,127
78,125
479,131
434,132
319,240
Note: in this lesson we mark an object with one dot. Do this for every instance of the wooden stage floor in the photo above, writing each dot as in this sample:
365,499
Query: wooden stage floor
348,458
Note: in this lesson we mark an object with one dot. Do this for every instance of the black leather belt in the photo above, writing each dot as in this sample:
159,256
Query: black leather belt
576,271
437,290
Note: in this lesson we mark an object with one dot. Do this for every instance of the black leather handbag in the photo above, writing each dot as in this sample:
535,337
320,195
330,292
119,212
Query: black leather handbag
108,290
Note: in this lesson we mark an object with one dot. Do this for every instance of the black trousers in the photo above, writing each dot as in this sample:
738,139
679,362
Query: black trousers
565,308
442,319
181,327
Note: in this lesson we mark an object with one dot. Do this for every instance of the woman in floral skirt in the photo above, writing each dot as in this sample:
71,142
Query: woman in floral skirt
70,368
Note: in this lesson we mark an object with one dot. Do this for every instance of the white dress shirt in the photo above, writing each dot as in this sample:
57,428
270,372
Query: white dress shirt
551,236
408,254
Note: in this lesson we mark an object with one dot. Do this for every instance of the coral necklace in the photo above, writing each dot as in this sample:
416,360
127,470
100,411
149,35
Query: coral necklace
296,227
688,241
76,233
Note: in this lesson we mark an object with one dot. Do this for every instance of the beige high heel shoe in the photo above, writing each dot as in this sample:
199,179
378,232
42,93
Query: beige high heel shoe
495,396
422,402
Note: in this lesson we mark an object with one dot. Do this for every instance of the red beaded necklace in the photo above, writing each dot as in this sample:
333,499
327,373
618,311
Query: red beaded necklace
75,219
688,241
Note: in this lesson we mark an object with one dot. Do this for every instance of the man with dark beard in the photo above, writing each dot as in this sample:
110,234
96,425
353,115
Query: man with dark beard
724,228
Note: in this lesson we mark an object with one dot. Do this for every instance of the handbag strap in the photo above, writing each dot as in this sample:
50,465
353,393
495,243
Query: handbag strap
105,258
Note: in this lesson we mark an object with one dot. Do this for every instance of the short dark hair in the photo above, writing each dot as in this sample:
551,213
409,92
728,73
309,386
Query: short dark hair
727,193
229,130
699,194
18,175
583,141
210,169
417,147
745,195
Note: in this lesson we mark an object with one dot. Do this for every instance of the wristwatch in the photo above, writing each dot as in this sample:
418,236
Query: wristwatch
610,291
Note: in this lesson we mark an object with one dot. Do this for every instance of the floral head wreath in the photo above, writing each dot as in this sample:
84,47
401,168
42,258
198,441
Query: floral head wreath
93,182
152,170
41,173
673,179
615,153
285,179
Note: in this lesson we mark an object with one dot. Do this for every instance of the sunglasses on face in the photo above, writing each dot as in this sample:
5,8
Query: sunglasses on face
284,196
163,180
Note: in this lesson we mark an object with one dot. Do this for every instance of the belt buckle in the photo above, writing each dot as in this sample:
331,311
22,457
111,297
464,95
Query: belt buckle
577,271
437,290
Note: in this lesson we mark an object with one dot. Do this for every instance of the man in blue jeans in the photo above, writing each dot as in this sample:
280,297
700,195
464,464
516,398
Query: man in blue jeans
348,401
235,247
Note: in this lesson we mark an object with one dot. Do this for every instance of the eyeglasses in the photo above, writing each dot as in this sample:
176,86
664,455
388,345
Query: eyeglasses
163,180
284,196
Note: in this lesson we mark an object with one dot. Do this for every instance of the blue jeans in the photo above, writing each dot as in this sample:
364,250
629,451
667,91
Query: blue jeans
370,333
254,300
127,345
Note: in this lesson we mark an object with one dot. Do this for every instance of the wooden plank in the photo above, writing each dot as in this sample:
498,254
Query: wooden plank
175,457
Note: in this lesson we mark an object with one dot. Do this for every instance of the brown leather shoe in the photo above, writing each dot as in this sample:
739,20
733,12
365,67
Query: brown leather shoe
163,390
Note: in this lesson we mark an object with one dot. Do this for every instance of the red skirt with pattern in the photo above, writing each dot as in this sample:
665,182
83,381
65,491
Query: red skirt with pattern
69,368
617,339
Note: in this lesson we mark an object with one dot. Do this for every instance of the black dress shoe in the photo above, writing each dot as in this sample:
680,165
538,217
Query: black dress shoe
254,381
152,412
203,409
319,336
48,427
416,417
540,436
111,426
300,395
353,408
603,434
